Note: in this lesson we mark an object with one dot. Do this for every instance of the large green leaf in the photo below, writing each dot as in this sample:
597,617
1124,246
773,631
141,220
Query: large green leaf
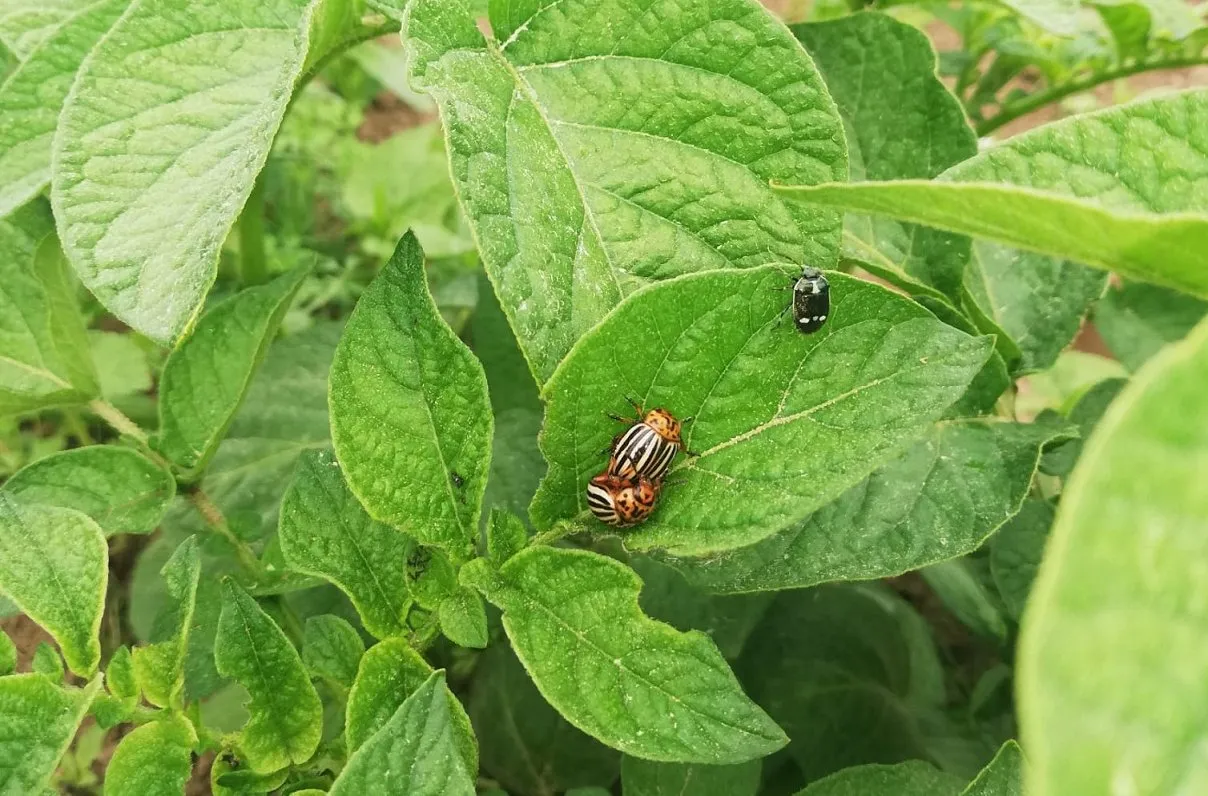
416,752
160,140
850,672
325,532
206,377
160,667
1017,550
409,399
1136,320
526,746
1003,776
1112,649
124,491
154,760
911,778
31,97
940,499
54,564
389,673
901,123
285,712
44,357
637,685
1113,189
601,145
38,719
25,24
644,778
784,422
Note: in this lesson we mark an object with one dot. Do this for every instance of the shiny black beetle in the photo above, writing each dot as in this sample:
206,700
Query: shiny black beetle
811,300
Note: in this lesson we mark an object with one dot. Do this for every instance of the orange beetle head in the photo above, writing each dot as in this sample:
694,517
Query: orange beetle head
664,424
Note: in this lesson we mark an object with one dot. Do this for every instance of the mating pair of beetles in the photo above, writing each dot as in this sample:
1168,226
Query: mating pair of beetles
626,492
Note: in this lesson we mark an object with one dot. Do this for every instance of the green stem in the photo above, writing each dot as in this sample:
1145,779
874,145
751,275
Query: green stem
560,530
124,425
253,263
1010,113
217,522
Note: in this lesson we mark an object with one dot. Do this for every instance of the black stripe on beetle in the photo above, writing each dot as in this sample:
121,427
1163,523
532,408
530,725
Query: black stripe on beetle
811,300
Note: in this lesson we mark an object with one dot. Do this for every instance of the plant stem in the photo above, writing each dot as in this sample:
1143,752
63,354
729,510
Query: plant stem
252,261
560,530
124,425
213,517
1010,113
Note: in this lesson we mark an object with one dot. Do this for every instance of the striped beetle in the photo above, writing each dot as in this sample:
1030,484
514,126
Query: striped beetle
621,501
649,446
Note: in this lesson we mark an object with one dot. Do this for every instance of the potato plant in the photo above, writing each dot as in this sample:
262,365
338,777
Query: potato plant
298,416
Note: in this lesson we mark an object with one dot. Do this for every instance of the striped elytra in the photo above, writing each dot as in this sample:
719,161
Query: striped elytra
648,447
621,501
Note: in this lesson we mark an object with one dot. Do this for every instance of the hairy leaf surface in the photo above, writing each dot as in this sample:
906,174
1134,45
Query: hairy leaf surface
160,667
332,648
597,146
784,422
154,760
1003,776
38,719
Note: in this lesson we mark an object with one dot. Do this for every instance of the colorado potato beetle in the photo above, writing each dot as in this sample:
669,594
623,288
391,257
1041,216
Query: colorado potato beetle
621,501
649,446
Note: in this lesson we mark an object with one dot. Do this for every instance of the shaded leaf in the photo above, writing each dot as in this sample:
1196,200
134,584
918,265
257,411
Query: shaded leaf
1085,413
599,146
1111,648
285,712
1137,320
526,746
1017,550
637,685
966,587
325,532
43,348
911,778
206,377
54,564
784,422
170,191
408,398
38,719
415,752
124,491
160,667
851,673
46,662
332,648
1083,188
30,99
1003,776
940,499
153,760
644,778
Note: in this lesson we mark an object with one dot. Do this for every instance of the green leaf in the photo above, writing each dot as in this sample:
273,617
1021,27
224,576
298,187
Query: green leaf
463,618
911,778
506,536
332,648
901,123
206,377
942,498
43,348
416,752
851,673
1085,413
602,145
526,746
390,672
38,719
1083,188
644,778
30,99
286,714
144,202
119,674
1004,776
46,662
1137,320
124,491
54,564
25,24
160,667
408,398
154,760
965,586
1111,649
635,684
228,779
325,532
8,654
784,422
1016,552
121,363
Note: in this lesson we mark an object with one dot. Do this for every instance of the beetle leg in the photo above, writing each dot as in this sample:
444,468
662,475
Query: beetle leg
637,407
618,418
